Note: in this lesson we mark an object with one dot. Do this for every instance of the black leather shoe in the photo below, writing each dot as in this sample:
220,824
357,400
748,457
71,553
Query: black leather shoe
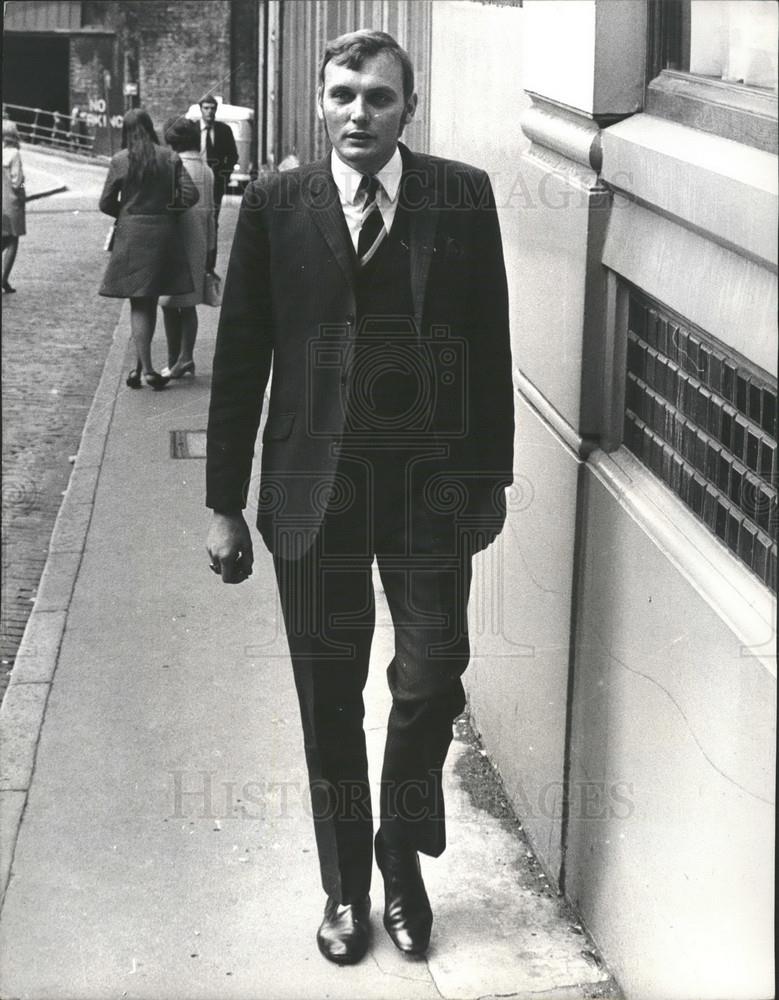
345,933
407,914
155,381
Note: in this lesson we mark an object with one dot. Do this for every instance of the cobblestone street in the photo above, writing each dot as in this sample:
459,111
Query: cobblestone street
56,332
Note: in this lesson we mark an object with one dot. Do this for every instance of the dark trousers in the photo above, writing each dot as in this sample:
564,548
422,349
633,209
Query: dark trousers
220,186
328,605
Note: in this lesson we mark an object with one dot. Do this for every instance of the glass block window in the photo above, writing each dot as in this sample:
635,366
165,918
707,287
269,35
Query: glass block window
706,423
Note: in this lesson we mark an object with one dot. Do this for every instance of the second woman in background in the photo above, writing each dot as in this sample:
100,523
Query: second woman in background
199,232
145,191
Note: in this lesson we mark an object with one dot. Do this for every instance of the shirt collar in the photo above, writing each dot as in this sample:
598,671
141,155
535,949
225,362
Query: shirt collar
347,179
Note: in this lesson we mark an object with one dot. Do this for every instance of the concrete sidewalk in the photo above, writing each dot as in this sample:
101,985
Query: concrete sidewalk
54,179
153,768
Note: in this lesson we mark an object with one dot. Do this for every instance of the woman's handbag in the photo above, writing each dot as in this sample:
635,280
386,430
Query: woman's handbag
212,289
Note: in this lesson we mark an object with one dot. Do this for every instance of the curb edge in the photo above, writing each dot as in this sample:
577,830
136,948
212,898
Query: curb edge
23,710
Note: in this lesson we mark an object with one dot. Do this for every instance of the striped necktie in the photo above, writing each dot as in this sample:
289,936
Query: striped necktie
372,230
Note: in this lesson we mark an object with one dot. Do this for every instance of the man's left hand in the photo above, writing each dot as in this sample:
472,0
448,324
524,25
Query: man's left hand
230,547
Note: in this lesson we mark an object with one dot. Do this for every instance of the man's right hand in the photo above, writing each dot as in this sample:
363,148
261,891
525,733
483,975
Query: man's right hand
229,546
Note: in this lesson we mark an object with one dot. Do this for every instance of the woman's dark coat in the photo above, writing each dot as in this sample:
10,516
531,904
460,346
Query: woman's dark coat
148,256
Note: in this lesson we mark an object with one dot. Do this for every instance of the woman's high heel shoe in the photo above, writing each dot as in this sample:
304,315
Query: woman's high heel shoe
179,371
133,380
155,381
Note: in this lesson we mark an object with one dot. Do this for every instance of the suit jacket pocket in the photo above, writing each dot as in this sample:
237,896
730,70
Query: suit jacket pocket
278,427
448,249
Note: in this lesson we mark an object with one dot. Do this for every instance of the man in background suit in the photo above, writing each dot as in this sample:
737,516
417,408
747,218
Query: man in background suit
217,144
374,281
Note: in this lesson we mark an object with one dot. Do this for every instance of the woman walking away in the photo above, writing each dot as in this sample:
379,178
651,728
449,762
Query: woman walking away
145,191
13,200
198,230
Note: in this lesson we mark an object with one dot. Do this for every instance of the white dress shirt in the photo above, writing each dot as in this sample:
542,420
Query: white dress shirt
204,131
347,180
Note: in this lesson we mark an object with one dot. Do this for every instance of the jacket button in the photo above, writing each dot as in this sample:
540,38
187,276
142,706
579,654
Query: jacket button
350,319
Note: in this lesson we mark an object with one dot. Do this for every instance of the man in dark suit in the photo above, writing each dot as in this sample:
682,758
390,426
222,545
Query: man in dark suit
217,143
374,281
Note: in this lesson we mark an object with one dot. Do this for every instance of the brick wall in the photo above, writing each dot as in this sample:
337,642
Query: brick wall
175,50
184,51
89,58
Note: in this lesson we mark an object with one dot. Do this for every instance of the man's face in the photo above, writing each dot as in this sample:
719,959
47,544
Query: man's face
208,112
364,110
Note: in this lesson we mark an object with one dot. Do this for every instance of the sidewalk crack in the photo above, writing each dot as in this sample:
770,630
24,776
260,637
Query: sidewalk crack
410,979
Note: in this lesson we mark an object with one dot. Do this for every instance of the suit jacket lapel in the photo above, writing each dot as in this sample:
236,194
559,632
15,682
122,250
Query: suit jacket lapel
419,196
320,195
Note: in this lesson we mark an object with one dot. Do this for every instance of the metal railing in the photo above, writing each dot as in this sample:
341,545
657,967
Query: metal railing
69,133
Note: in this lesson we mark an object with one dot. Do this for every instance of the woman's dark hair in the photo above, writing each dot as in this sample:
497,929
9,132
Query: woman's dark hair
182,134
139,139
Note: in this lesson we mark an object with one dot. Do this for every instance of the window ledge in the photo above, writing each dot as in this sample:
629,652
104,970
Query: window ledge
730,589
711,185
744,114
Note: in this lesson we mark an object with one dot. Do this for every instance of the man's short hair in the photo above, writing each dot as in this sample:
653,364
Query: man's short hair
353,48
208,99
